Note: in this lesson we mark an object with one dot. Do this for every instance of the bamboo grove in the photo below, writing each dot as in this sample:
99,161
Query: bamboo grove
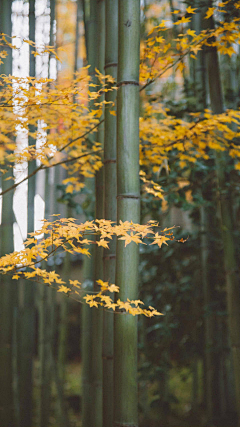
113,150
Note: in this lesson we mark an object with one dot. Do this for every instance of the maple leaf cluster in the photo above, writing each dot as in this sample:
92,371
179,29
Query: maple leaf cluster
66,235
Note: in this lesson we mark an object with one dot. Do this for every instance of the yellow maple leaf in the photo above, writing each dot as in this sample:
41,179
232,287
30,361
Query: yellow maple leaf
104,285
190,9
92,303
64,289
183,20
69,188
130,238
106,299
88,298
159,240
210,12
75,283
113,288
137,302
103,243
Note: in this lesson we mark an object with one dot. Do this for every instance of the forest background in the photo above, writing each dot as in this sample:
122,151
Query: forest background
70,350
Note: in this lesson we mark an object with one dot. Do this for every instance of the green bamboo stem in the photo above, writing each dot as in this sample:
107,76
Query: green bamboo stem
230,261
64,303
46,326
214,368
63,324
44,357
63,415
128,209
215,395
210,355
200,66
98,270
87,344
207,299
110,204
87,348
175,35
47,295
8,289
28,309
63,314
78,20
60,368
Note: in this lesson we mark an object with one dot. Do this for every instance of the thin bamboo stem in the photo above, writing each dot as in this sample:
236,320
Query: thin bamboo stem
90,18
27,329
128,209
8,289
230,261
110,204
99,214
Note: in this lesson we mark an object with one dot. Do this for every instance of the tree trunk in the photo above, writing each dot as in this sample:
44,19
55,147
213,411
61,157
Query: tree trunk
110,204
128,209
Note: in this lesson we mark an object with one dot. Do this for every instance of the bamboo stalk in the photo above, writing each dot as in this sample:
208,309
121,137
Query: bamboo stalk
8,289
128,209
110,204
78,20
63,324
199,62
208,319
208,287
99,214
47,295
230,261
27,330
87,344
46,328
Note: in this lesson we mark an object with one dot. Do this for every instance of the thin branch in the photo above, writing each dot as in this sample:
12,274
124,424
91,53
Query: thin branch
83,136
71,159
42,167
177,141
171,65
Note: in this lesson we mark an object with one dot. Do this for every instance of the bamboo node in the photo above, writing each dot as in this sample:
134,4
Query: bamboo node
116,424
109,256
128,82
107,357
109,161
111,64
128,196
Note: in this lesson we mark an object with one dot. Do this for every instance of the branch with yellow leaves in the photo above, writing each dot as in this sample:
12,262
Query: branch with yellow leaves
65,233
168,67
43,167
